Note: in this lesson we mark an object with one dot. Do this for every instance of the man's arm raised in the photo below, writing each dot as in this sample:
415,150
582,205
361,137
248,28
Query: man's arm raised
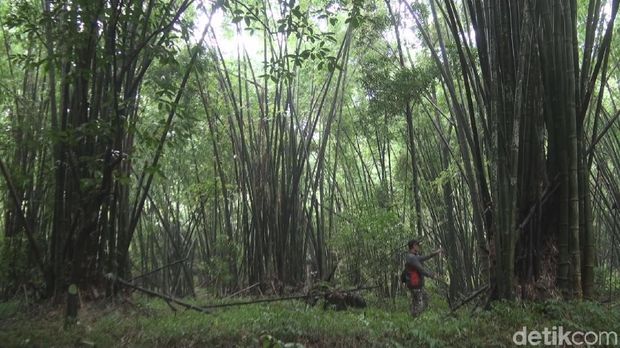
431,255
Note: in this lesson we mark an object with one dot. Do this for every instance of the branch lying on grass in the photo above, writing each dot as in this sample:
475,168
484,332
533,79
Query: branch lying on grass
470,298
156,294
205,309
263,300
295,297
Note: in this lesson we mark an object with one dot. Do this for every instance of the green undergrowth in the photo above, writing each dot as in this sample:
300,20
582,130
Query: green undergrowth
145,322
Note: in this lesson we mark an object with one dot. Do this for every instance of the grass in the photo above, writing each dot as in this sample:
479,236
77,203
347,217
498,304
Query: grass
144,322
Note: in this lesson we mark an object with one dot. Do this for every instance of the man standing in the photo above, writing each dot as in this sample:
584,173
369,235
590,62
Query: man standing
414,276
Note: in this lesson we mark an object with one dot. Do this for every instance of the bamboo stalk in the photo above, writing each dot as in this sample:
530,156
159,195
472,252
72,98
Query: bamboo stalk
167,298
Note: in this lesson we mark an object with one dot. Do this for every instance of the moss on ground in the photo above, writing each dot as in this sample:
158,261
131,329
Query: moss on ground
142,322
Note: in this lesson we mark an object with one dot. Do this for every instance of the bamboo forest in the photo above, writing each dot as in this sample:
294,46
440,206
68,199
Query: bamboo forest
309,173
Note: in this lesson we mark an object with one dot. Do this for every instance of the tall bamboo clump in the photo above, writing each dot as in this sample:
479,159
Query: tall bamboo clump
279,127
536,94
95,54
569,88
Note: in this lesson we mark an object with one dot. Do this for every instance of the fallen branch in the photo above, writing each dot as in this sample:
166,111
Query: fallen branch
156,294
470,298
205,309
277,299
220,305
242,290
158,269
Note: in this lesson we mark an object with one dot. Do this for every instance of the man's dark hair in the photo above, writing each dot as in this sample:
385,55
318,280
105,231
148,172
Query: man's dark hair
412,243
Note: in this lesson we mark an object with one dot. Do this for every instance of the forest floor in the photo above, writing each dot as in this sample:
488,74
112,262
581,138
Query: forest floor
144,322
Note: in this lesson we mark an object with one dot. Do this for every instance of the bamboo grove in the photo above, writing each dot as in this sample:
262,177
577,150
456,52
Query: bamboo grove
188,145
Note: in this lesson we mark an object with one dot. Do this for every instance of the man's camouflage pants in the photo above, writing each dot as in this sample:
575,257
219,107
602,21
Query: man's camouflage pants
418,301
